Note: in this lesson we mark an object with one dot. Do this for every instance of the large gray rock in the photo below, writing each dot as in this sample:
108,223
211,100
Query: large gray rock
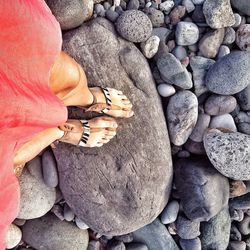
242,5
203,190
71,14
125,184
230,74
155,236
50,233
229,153
216,232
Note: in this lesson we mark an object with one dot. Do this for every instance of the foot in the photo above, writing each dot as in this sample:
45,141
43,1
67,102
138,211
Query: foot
92,133
111,102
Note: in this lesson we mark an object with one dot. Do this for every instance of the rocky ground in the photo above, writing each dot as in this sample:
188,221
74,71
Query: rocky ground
128,194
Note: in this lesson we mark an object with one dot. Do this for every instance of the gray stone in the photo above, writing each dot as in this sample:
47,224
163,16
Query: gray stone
111,15
49,167
156,17
229,153
124,196
134,26
186,228
210,43
230,36
243,98
236,215
241,202
155,236
162,33
136,246
116,245
194,244
244,225
219,104
223,51
170,212
187,33
244,127
133,5
216,232
13,236
183,154
50,233
197,15
126,238
238,20
237,245
81,224
58,211
94,245
71,14
225,121
68,213
19,222
243,37
198,1
242,5
36,198
235,233
150,47
200,65
242,117
200,127
165,90
188,5
173,72
106,5
179,52
182,114
230,74
195,147
203,190
99,10
166,6
218,14
35,168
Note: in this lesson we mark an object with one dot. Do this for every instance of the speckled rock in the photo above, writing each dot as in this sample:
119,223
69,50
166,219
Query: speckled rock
229,153
242,5
150,47
36,198
156,17
218,14
203,190
243,37
173,72
13,236
243,98
194,244
225,121
210,43
229,75
176,14
216,232
244,127
182,115
219,104
134,26
71,14
166,6
50,233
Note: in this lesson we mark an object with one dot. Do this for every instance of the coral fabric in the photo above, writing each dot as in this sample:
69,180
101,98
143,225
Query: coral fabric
30,41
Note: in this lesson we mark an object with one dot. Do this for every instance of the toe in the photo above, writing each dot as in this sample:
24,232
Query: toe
103,122
124,113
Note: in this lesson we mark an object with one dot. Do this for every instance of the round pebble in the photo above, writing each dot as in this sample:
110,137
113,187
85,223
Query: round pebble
230,36
193,244
225,121
165,90
13,236
68,213
150,47
223,51
133,5
243,37
166,6
111,15
238,20
170,212
81,224
156,17
237,245
180,52
244,225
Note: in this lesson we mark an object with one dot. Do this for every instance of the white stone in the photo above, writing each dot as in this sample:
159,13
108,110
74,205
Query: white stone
189,5
150,47
186,33
13,236
166,6
165,90
225,121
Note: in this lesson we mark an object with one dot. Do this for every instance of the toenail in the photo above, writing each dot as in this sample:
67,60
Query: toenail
115,125
131,113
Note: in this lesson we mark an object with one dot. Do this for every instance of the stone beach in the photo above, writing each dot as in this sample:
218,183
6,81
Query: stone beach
177,175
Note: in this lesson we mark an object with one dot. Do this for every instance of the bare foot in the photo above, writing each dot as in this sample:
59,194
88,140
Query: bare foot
89,133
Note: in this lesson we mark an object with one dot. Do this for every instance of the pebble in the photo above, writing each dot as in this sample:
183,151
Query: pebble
58,211
216,232
166,6
150,47
198,16
182,114
244,127
243,37
183,154
173,72
19,222
99,10
230,74
186,33
230,36
133,5
237,245
225,121
200,65
242,5
35,168
186,228
195,147
223,51
106,5
241,202
218,14
179,52
242,117
49,167
115,245
236,215
170,212
13,236
111,15
243,98
210,43
68,213
189,5
81,224
156,17
134,26
200,127
229,153
237,188
94,245
193,244
238,20
176,14
165,90
126,238
197,2
244,225
136,246
235,233
162,33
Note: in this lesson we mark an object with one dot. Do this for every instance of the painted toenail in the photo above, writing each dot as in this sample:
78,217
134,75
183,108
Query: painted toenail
131,113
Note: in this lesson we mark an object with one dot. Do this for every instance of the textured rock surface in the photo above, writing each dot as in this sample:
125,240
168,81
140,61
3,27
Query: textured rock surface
242,5
124,185
203,190
36,198
243,98
50,233
229,75
229,153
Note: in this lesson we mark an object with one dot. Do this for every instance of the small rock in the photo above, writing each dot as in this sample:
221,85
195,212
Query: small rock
126,238
35,168
13,236
94,245
166,6
200,127
229,75
19,222
173,72
237,245
230,36
182,114
188,4
58,211
81,224
183,154
193,244
210,43
118,9
241,202
106,5
197,2
225,121
99,10
236,215
229,153
116,245
179,52
198,16
133,5
237,188
176,14
136,246
218,14
243,98
242,5
243,37
242,117
238,20
162,33
223,51
244,225
111,15
68,213
186,228
170,212
216,232
165,90
244,127
235,233
186,33
195,147
156,17
150,47
134,26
